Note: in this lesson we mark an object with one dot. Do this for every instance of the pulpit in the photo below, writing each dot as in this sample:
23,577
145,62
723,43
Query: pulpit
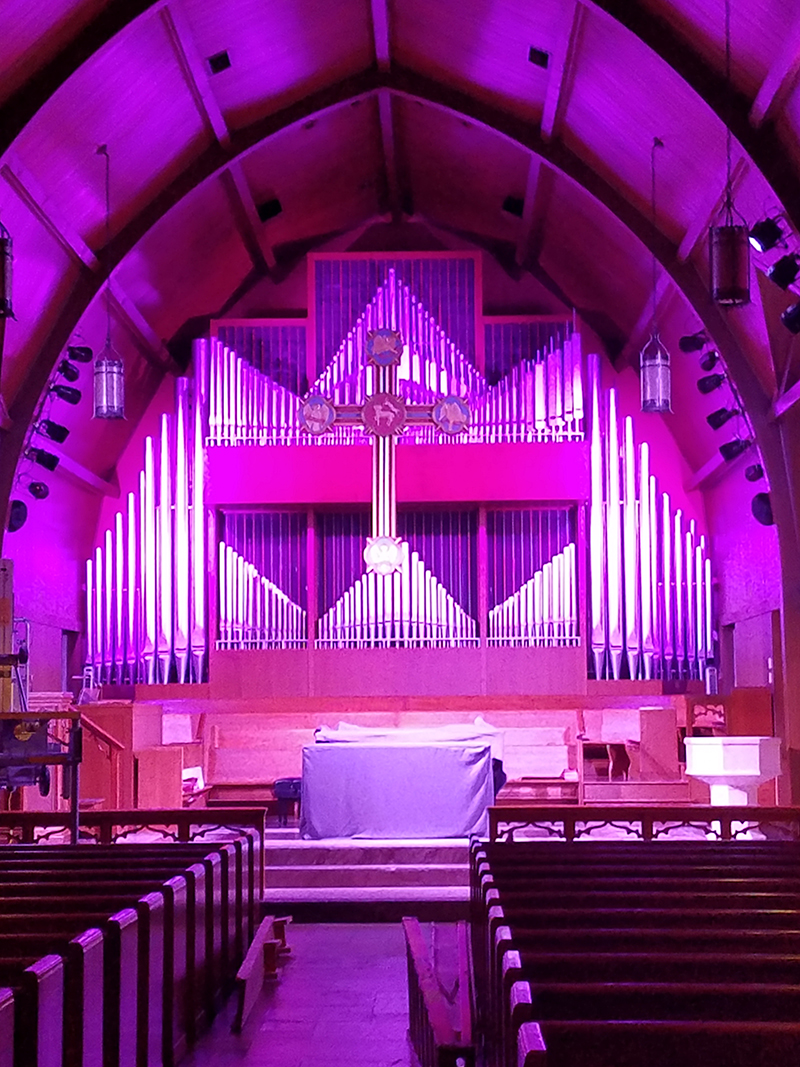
733,767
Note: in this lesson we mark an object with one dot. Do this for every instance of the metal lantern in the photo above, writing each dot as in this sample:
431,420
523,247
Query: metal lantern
729,248
6,311
656,381
109,387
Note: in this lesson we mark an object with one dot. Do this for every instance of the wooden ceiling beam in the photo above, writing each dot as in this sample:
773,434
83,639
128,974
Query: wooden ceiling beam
389,149
535,209
644,324
250,227
562,72
194,70
28,190
780,78
380,33
703,218
145,337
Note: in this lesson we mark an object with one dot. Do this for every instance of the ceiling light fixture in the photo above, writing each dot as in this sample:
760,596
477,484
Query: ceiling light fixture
717,419
68,370
731,450
761,507
39,490
43,458
655,376
791,318
54,430
67,393
784,270
109,376
6,310
693,342
754,473
80,353
729,245
17,515
765,235
710,383
709,360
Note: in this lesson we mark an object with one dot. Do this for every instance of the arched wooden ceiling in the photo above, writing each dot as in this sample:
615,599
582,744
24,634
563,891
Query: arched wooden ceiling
360,110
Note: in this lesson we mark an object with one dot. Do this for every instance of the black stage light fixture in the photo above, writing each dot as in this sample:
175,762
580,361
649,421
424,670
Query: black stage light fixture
54,430
791,318
17,515
66,392
761,507
710,383
784,271
717,419
765,235
80,353
693,342
754,473
68,370
39,490
731,450
709,360
43,458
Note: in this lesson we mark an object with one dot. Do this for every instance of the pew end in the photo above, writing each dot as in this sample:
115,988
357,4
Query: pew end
259,965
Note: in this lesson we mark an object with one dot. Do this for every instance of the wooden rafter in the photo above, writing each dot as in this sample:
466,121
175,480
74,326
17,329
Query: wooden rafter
703,218
562,71
781,77
380,33
535,208
193,70
128,315
389,146
249,225
644,324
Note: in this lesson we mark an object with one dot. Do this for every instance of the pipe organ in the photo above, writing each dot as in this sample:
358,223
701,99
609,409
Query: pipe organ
650,605
297,579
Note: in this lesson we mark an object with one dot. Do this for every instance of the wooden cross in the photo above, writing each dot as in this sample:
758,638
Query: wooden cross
385,415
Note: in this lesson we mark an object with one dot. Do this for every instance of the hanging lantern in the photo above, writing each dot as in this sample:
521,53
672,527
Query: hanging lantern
109,386
6,310
655,377
729,248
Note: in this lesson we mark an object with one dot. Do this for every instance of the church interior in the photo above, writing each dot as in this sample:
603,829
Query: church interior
399,437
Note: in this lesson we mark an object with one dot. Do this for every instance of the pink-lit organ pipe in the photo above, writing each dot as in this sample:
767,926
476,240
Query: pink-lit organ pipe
542,612
252,611
407,609
650,603
145,586
539,399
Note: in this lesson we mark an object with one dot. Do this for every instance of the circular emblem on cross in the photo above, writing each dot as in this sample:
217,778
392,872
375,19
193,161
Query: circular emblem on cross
317,415
451,415
384,555
384,347
384,414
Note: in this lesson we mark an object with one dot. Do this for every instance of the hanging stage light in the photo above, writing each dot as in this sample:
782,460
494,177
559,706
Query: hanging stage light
43,458
784,271
765,235
709,360
80,353
68,370
109,374
791,318
761,507
39,490
717,419
731,450
66,392
710,383
754,473
17,515
693,342
53,430
6,309
654,369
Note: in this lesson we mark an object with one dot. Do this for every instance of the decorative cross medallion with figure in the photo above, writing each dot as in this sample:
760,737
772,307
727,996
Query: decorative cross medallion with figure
385,415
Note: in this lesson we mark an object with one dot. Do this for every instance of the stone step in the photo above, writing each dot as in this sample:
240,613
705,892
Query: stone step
310,853
387,875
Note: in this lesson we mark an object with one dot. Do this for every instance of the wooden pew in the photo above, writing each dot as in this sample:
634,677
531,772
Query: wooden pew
38,993
6,1028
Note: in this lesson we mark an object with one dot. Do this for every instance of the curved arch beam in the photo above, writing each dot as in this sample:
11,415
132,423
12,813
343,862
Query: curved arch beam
417,87
21,107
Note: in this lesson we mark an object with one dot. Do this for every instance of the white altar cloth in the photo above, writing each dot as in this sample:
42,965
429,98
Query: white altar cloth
378,790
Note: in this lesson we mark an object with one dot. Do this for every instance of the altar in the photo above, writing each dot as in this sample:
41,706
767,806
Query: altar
384,790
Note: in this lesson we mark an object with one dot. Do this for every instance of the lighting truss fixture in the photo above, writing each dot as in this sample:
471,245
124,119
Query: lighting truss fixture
693,342
728,241
17,515
54,430
66,392
717,419
68,370
731,450
80,353
791,318
43,458
761,507
709,383
784,271
765,235
754,473
709,360
39,490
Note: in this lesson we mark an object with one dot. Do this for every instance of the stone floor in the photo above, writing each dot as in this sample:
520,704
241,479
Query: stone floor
341,999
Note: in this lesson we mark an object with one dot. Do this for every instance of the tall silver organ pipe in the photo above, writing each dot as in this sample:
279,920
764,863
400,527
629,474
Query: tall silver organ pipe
252,611
145,586
542,612
650,604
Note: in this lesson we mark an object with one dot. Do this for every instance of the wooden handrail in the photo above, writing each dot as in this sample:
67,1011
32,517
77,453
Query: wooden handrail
101,734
